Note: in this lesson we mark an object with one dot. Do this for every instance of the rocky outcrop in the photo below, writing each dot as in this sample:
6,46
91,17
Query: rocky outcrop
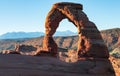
21,49
111,38
10,52
20,65
25,48
116,52
90,42
116,65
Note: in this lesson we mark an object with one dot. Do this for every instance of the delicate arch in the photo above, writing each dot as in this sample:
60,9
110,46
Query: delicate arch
90,41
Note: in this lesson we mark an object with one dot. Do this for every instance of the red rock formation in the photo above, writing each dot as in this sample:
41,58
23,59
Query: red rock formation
10,52
50,45
25,48
90,42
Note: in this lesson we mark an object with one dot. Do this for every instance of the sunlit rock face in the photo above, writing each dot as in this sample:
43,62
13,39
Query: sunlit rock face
90,43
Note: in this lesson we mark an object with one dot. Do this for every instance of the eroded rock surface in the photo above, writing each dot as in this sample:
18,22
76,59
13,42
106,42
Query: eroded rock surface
21,65
90,42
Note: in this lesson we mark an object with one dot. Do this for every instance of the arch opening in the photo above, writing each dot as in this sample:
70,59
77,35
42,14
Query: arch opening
66,28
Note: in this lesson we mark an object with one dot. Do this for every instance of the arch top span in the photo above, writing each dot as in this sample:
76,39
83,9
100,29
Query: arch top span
90,43
72,11
63,4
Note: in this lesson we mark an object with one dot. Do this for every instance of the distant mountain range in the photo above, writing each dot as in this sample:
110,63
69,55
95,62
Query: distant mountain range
15,35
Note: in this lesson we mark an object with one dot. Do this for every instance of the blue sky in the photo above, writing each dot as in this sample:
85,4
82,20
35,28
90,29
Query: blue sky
29,15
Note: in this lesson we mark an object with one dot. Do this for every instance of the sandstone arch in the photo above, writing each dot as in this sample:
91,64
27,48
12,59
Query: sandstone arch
90,43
